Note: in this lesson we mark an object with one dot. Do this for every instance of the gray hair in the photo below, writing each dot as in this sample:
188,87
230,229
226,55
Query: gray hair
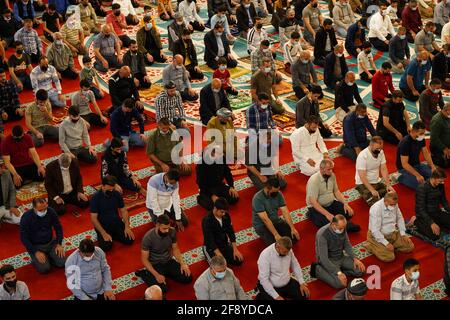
285,242
65,160
326,162
391,195
57,34
217,262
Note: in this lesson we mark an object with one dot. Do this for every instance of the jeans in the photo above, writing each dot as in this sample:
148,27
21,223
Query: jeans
48,132
341,32
132,140
83,155
51,257
291,291
53,96
308,36
409,180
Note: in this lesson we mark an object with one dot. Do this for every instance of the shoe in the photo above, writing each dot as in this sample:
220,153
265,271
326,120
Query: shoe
312,271
351,227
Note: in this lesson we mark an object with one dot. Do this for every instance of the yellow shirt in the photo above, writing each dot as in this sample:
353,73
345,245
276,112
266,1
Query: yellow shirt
187,61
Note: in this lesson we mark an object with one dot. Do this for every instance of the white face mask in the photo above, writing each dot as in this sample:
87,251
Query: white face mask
420,138
216,90
415,275
266,50
41,213
424,62
264,106
436,91
391,208
338,55
87,259
350,83
267,70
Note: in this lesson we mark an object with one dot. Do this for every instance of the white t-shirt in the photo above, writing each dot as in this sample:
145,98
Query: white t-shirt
366,161
364,59
445,31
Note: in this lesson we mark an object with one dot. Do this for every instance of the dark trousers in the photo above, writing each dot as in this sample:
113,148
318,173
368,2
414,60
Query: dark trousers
320,220
117,232
127,183
440,218
226,249
186,97
196,26
194,74
282,228
380,45
204,198
290,291
232,91
25,79
83,155
48,36
365,77
409,37
171,269
113,63
324,132
96,92
409,95
353,51
142,83
156,54
12,114
349,152
320,61
28,173
71,198
171,214
94,119
100,297
230,63
161,16
51,257
68,73
439,159
34,57
125,40
299,93
131,21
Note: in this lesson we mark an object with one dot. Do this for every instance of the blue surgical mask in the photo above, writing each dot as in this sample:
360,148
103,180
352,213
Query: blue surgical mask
337,231
424,62
148,25
223,68
415,275
220,275
403,37
305,61
350,83
420,138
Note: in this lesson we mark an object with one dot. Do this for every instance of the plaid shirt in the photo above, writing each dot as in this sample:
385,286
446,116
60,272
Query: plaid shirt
30,40
43,80
9,98
169,107
258,118
257,57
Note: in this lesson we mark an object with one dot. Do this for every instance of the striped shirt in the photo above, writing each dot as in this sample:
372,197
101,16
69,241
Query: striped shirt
401,289
169,107
291,51
45,80
383,221
258,118
72,36
30,39
254,39
107,45
256,58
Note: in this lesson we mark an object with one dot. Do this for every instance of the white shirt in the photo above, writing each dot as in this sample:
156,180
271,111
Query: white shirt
383,221
445,32
66,181
189,12
305,145
291,51
366,161
254,38
274,271
401,289
380,27
365,59
260,4
126,7
161,197
392,13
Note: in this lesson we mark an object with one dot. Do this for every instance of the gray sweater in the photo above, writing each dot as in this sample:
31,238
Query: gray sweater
330,247
72,135
302,73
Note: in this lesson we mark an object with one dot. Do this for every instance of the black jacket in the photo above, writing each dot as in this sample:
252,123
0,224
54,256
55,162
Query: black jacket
122,88
328,73
116,166
54,183
344,95
211,177
428,200
242,17
321,40
179,48
215,235
140,61
207,103
8,28
440,67
211,47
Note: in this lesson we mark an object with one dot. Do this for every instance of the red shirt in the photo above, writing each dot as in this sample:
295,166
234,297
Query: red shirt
411,19
18,150
112,19
222,76
381,85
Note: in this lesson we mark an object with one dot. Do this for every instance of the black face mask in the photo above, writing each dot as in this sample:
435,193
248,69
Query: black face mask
368,51
259,26
314,5
326,176
117,13
162,234
75,120
274,194
107,35
223,122
17,138
44,68
11,284
376,153
19,51
134,51
108,193
85,5
311,131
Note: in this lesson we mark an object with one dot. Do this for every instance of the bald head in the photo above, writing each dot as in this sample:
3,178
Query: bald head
423,55
153,293
178,60
216,83
305,55
350,77
106,29
124,72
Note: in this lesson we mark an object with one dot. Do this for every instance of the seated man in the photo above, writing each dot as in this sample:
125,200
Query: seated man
21,158
212,98
89,74
288,27
425,40
382,85
346,92
324,43
381,29
25,10
259,114
127,9
356,290
274,273
387,231
186,48
94,271
393,120
73,35
149,42
441,67
162,257
64,184
168,104
366,65
245,16
39,119
309,106
335,67
291,50
303,74
211,171
399,53
188,10
11,288
43,77
176,72
135,60
343,17
256,35
411,20
223,123
263,51
160,147
9,100
60,56
19,65
32,44
36,233
122,86
263,82
219,236
412,80
107,50
109,226
355,127
82,100
88,18
325,200
441,15
356,36
175,29
432,207
117,22
224,16
268,225
312,20
9,212
430,102
412,171
74,137
440,137
334,254
219,282
115,163
308,148
120,126
406,287
370,165
217,46
8,27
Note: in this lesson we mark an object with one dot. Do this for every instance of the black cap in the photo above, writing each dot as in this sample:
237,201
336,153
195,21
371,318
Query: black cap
357,287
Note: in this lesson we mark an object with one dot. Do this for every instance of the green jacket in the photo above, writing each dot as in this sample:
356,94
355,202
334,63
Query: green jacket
440,132
141,37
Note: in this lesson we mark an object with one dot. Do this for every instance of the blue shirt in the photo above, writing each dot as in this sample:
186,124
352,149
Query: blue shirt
417,71
35,230
106,208
25,10
61,5
355,130
121,122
